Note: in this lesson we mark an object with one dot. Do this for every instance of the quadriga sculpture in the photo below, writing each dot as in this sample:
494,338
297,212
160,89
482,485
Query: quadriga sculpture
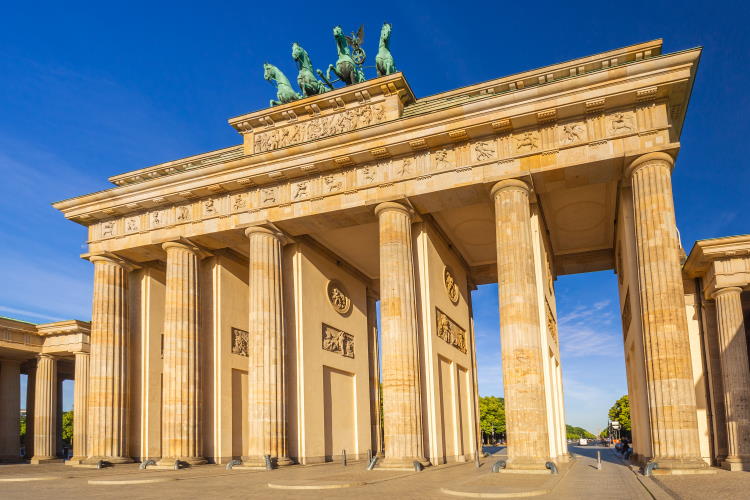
284,91
308,83
384,60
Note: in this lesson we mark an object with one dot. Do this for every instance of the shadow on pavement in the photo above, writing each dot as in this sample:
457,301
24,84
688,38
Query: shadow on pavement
608,454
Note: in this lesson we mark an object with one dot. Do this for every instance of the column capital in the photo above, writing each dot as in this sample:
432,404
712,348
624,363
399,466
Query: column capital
392,205
647,158
510,184
270,231
111,258
187,245
44,355
726,290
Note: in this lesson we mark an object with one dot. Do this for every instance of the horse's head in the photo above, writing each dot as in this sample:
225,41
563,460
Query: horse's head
269,71
297,51
385,31
337,32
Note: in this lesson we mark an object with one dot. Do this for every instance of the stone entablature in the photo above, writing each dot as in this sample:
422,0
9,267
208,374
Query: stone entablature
510,127
50,338
720,263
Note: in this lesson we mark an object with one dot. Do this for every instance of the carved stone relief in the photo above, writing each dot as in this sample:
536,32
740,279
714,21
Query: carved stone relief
108,229
450,285
133,224
338,341
319,128
620,123
450,332
158,218
239,202
442,158
209,207
183,213
404,167
269,196
333,183
484,150
301,190
626,314
338,297
240,342
367,175
527,141
571,133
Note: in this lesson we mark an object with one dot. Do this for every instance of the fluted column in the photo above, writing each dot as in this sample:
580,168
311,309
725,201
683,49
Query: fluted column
266,370
671,394
736,376
10,410
108,371
374,373
520,336
80,407
45,410
402,404
181,399
30,400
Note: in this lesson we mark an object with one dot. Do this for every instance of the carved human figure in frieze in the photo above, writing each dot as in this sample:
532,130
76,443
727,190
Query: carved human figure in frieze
332,339
183,213
268,195
347,347
332,183
338,297
620,124
156,219
131,224
528,141
239,202
485,150
441,159
108,229
300,190
450,285
572,132
365,115
404,167
209,207
368,175
240,342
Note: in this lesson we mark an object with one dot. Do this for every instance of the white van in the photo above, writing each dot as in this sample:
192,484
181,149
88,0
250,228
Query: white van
583,442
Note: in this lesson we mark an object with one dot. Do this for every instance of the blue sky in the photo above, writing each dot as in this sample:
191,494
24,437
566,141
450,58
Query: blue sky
89,90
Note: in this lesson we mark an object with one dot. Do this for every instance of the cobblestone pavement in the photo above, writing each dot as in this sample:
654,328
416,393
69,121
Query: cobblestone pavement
578,480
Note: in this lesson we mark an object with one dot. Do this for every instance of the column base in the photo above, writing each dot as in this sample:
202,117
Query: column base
260,462
36,460
736,464
111,460
75,460
402,462
169,461
675,466
527,466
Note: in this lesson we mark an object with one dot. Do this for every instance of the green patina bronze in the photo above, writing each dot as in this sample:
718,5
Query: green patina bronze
384,60
345,68
308,84
284,91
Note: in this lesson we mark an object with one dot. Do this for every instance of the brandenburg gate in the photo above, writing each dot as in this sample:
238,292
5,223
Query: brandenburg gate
236,292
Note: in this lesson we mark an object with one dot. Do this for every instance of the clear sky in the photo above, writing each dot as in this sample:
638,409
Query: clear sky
93,89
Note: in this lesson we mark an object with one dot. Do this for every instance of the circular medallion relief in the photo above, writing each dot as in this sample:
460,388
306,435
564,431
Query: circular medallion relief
450,285
338,297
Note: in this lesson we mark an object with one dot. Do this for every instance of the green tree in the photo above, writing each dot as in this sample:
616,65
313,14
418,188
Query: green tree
620,412
22,428
492,415
67,427
577,433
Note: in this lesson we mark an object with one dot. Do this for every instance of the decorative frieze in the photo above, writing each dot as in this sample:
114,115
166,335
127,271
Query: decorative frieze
450,332
319,128
240,342
451,287
338,341
551,321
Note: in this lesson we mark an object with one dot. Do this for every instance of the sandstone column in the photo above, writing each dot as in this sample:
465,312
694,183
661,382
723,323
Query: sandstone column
30,400
45,410
671,395
80,407
266,373
10,410
374,372
181,399
108,384
736,376
520,335
402,405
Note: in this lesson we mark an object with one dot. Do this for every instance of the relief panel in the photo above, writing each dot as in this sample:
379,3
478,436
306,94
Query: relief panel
338,341
240,342
450,332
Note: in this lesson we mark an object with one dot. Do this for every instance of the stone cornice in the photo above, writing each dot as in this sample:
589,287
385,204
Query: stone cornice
518,111
705,252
